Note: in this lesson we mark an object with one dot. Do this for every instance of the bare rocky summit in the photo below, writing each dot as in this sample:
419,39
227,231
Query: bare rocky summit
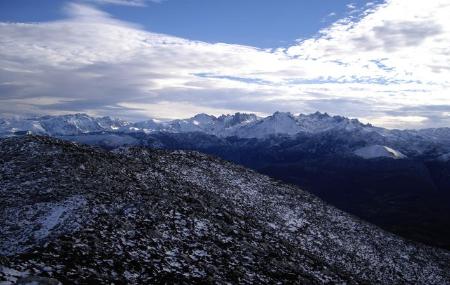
78,214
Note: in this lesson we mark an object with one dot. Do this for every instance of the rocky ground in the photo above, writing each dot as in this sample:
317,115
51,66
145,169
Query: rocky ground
80,215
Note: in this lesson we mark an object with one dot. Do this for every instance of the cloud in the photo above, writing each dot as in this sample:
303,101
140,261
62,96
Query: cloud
395,122
133,3
391,36
388,63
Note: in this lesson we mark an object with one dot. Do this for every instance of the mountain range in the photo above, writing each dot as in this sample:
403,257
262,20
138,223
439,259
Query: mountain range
238,125
396,179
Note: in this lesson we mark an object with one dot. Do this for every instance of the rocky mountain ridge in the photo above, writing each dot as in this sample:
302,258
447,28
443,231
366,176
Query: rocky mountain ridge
138,215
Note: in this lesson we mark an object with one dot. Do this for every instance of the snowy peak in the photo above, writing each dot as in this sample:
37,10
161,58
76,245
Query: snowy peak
224,125
79,124
281,122
237,119
202,122
13,125
111,124
321,122
70,124
73,124
223,121
278,123
204,118
378,151
288,124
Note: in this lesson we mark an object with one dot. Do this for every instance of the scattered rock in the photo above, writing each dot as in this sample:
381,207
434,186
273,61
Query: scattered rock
142,216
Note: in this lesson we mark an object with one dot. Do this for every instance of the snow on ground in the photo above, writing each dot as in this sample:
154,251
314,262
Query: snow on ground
378,151
145,216
31,224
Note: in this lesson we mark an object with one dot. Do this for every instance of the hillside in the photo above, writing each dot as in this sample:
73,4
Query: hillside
85,215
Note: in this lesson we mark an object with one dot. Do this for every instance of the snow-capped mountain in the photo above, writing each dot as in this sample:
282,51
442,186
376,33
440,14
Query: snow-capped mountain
225,125
75,124
278,123
14,125
289,124
321,122
60,125
378,151
143,216
436,134
239,124
78,124
409,142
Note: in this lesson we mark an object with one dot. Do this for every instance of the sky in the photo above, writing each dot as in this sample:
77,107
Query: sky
384,62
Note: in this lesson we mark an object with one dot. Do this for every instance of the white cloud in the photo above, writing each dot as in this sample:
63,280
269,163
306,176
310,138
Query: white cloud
388,63
134,3
395,122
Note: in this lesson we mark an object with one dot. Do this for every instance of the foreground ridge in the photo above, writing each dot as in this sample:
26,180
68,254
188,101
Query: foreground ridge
135,215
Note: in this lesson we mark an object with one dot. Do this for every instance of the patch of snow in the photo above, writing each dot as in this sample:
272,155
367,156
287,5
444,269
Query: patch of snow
377,151
50,221
35,223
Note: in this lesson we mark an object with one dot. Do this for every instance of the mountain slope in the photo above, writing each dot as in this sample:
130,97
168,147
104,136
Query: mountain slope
81,215
409,196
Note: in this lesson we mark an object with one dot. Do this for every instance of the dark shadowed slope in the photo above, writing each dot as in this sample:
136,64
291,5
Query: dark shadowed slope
81,214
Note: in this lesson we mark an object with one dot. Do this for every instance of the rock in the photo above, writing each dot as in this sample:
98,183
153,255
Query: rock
37,280
143,216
